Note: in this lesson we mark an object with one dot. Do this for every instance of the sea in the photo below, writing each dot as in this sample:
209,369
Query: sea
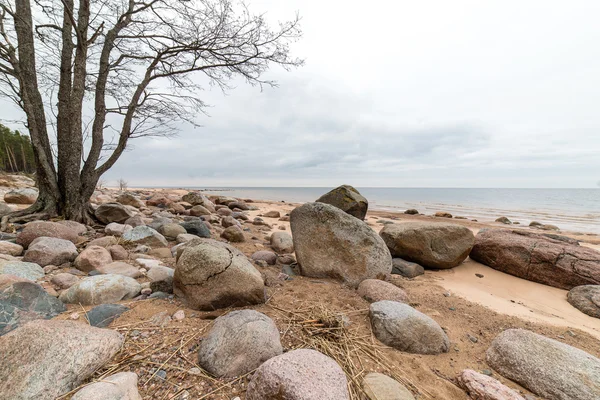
575,210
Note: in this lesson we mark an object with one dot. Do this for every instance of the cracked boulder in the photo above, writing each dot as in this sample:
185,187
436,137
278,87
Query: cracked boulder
537,258
212,275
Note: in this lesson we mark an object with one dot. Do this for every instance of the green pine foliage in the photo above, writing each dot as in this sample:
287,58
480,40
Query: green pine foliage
16,152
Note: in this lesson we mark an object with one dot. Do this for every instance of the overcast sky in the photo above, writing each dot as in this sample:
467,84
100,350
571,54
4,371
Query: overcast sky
404,94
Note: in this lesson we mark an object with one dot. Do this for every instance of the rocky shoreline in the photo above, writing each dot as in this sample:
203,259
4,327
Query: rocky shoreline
181,295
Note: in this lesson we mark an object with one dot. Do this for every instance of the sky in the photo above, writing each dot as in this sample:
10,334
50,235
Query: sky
403,94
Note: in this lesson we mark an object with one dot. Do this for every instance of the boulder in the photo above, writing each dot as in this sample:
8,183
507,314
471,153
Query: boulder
347,199
240,205
411,211
282,242
6,280
233,234
5,209
21,269
224,211
21,196
121,386
103,315
586,299
136,220
10,248
120,268
546,367
118,252
159,201
112,212
116,229
302,374
129,199
272,214
36,229
78,228
537,258
212,275
406,268
46,359
432,245
402,327
504,220
199,210
197,228
238,343
22,302
330,243
442,214
170,231
50,251
146,236
381,387
228,221
105,241
374,290
185,237
195,198
92,258
64,280
483,387
100,289
265,255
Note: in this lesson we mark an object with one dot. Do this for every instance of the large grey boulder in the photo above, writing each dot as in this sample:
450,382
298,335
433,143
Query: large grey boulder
46,359
299,375
282,242
129,199
121,386
212,275
36,229
25,270
196,227
112,212
146,236
330,243
586,298
100,289
22,302
50,251
537,258
21,196
430,244
238,343
402,327
347,199
546,367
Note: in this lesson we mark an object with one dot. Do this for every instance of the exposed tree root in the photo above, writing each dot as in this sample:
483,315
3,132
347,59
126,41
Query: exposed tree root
37,211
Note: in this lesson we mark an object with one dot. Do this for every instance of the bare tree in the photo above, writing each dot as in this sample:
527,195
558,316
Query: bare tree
122,185
138,65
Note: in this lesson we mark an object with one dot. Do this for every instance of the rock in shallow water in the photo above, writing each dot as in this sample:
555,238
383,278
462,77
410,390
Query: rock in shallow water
402,327
46,359
546,367
299,375
330,243
238,343
432,245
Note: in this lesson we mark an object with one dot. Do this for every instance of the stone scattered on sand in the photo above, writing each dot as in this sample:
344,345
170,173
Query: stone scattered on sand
586,298
199,210
146,236
21,196
21,269
170,231
10,248
411,211
103,315
233,234
212,275
136,220
483,387
46,359
330,243
299,375
265,255
537,258
406,268
22,302
442,214
430,244
129,199
228,221
272,214
50,251
381,387
104,241
282,242
118,252
112,212
546,367
36,229
347,199
101,289
64,280
120,268
195,198
197,227
402,327
120,386
238,343
374,290
116,229
92,258
504,220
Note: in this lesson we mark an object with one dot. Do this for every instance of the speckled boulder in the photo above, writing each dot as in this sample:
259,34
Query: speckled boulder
483,387
586,298
36,229
50,251
374,290
347,199
101,289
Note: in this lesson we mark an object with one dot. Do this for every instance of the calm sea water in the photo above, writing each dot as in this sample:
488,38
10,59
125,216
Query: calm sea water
570,209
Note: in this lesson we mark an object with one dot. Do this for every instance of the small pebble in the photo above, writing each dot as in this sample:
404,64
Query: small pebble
74,316
195,371
161,374
487,372
179,315
146,291
479,275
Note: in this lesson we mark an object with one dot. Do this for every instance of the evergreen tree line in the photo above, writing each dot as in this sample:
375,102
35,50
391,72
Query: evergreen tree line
16,152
